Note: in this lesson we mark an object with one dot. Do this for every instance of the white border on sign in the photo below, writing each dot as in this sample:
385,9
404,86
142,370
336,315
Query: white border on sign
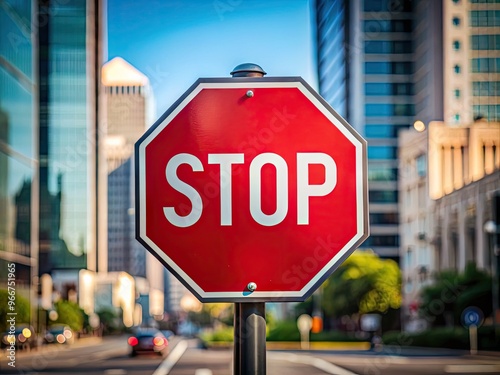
254,295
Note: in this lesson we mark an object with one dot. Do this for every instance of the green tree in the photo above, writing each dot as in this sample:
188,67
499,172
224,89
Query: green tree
21,307
364,283
452,292
110,319
69,313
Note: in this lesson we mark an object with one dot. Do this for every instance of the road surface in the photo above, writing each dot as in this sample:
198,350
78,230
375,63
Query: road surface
110,356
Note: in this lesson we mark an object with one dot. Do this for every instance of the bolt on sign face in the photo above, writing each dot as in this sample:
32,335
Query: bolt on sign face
251,189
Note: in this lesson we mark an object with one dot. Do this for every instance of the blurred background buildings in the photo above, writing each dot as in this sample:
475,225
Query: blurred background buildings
420,80
390,66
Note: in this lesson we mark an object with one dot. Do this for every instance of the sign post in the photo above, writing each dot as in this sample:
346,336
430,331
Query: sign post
251,189
304,324
472,318
249,350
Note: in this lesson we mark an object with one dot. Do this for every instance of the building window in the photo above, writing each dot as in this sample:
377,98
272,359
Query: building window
381,173
382,152
383,196
486,88
486,65
385,67
484,1
457,69
485,18
381,88
381,240
387,26
490,111
384,218
456,117
387,6
485,42
383,131
389,109
385,47
457,93
456,21
421,162
456,45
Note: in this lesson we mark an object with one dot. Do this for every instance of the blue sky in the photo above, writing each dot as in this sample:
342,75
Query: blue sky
175,42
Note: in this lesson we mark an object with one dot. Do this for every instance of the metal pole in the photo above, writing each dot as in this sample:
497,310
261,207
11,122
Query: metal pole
249,317
250,340
237,339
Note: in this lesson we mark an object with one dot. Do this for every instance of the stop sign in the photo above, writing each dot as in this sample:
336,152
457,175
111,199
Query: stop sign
251,189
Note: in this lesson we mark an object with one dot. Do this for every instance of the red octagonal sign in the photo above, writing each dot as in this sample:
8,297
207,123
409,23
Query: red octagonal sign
251,189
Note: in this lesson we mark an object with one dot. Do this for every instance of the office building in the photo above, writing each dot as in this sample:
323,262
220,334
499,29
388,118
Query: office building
471,44
365,70
71,51
19,150
129,111
451,175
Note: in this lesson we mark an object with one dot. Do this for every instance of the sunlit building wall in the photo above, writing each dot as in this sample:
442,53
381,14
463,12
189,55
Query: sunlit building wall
418,255
72,49
19,148
129,102
463,176
451,175
471,44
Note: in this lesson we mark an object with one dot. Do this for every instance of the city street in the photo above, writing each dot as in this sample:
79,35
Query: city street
109,356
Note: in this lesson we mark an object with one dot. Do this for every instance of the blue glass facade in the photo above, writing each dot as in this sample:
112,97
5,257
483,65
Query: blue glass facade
371,40
68,70
18,129
331,18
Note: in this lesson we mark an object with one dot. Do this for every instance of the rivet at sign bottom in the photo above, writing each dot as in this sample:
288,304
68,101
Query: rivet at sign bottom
251,286
250,93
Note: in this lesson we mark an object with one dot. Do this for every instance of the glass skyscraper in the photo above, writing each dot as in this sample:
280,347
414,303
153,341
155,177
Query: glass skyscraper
365,69
70,56
18,147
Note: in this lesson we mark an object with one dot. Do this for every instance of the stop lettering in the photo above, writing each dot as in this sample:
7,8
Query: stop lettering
225,161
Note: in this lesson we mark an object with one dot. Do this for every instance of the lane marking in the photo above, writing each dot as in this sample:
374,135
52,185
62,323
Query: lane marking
472,369
172,358
320,364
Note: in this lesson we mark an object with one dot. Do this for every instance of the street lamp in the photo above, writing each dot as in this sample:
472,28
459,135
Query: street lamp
493,230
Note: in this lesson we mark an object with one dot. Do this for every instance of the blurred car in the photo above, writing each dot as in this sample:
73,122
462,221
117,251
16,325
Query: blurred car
24,337
59,334
148,340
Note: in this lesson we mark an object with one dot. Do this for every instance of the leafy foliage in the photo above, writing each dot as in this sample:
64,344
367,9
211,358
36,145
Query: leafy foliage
22,308
69,313
110,320
364,283
452,292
